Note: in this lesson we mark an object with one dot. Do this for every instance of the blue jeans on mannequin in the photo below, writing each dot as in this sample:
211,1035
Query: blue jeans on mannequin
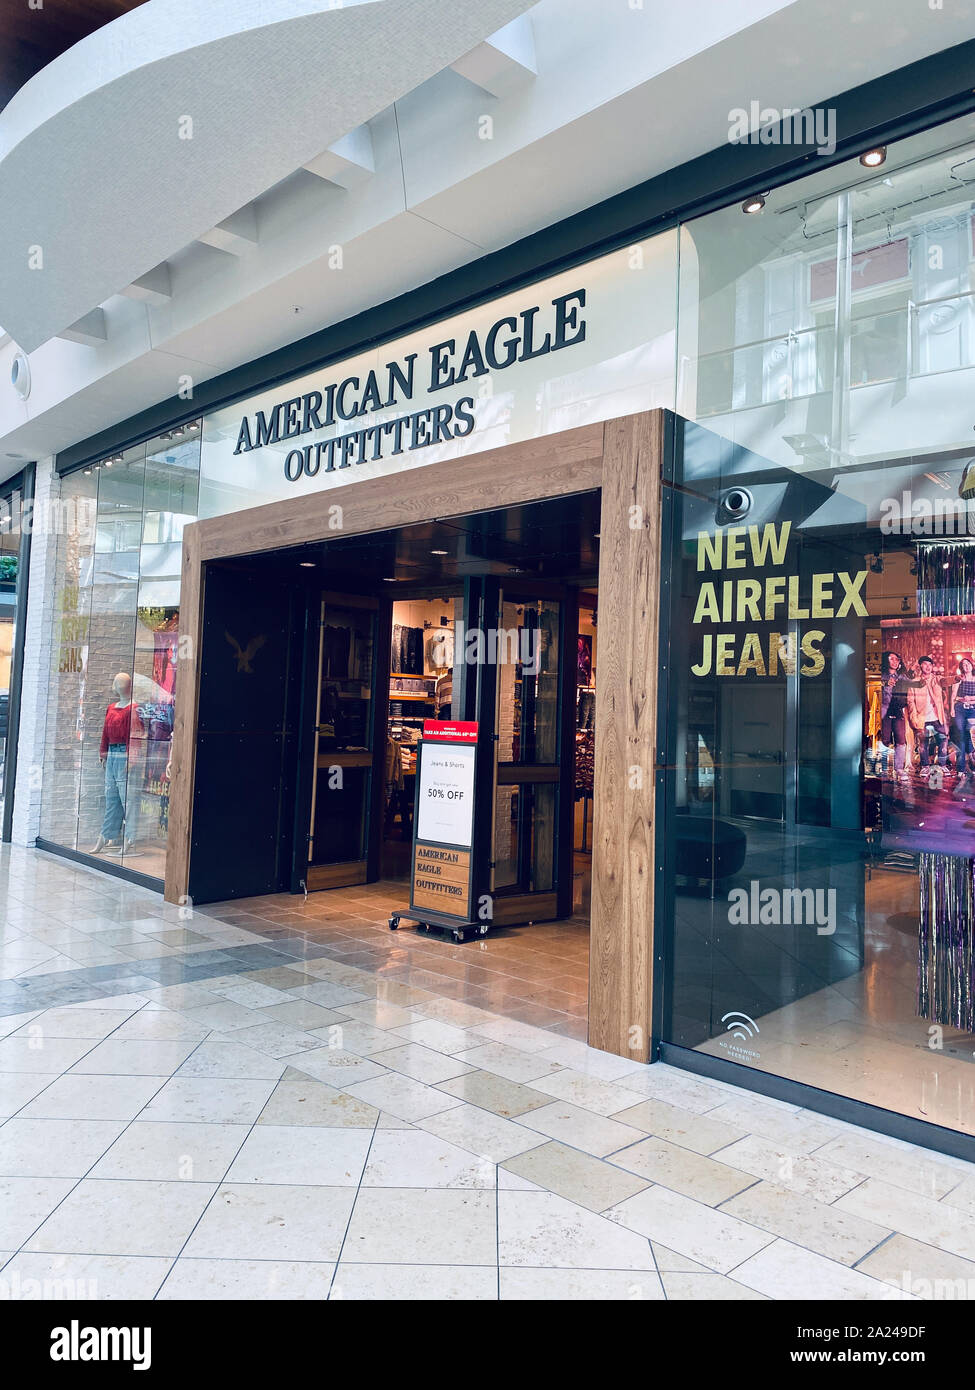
116,776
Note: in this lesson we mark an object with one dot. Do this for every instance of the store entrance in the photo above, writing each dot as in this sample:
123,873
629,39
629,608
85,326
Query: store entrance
343,650
510,651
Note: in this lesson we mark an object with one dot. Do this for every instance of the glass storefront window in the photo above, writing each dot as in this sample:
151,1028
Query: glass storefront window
10,532
111,698
819,815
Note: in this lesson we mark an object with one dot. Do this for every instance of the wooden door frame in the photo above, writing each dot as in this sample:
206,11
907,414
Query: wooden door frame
624,459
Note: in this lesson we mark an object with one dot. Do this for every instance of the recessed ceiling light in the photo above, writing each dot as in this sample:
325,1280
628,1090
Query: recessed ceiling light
754,204
306,564
872,159
439,552
389,579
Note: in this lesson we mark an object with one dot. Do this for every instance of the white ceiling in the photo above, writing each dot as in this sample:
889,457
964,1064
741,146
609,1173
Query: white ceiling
620,94
93,166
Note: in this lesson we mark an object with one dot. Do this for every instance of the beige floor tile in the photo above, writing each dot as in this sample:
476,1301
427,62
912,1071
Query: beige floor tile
54,1148
579,1177
491,1092
668,1261
415,1158
442,1037
695,1175
171,1152
135,1057
25,1203
301,1013
18,1088
711,1238
799,1134
75,1023
521,1036
330,996
787,1271
707,1288
302,1154
543,1230
223,1056
839,1235
934,1223
911,1169
809,1173
479,1132
380,1015
277,1040
580,1285
210,1100
402,1096
699,1133
412,1282
423,1063
224,1016
582,1129
602,1066
262,1221
453,1011
336,1067
38,1052
107,1217
102,1278
77,1097
661,1082
360,1038
422,1226
588,1092
508,1062
920,1269
250,1280
962,1196
159,1024
305,1101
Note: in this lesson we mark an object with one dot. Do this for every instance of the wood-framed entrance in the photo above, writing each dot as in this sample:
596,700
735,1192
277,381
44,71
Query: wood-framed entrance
624,459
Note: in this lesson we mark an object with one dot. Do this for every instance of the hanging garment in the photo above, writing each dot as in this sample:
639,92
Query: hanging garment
440,648
586,713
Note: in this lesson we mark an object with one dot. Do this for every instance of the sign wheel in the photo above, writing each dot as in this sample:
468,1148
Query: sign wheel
393,922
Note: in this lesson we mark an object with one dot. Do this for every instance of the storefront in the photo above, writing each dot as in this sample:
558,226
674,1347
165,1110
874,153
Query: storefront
16,524
715,486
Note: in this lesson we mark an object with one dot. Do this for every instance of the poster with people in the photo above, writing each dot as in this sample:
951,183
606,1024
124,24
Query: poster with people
920,733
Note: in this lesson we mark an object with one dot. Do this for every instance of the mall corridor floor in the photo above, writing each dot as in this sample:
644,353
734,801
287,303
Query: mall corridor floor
191,1108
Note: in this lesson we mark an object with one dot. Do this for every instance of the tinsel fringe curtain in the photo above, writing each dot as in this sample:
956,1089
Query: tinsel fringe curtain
945,988
945,580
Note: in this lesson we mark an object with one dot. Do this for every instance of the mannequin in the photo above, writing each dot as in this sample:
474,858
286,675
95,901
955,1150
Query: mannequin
114,755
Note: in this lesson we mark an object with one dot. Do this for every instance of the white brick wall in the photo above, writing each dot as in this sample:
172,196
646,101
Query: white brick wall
38,648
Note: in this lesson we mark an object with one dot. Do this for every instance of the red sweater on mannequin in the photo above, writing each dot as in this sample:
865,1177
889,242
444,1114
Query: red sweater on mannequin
118,726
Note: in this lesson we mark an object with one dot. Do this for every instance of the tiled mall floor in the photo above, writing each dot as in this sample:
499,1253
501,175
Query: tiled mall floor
217,1108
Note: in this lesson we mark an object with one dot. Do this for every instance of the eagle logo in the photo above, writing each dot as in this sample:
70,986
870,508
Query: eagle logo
242,655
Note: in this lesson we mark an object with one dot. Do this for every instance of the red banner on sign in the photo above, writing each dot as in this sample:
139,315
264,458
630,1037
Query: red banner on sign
464,731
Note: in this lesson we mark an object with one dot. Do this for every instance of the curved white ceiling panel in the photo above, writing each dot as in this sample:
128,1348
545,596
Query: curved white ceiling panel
159,126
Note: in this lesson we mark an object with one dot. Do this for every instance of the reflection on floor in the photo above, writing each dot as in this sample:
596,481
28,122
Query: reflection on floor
858,1033
536,974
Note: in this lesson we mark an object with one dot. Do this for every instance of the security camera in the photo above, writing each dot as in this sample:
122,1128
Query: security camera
733,505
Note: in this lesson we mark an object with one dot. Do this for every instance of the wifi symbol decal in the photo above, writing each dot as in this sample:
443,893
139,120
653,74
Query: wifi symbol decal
740,1025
